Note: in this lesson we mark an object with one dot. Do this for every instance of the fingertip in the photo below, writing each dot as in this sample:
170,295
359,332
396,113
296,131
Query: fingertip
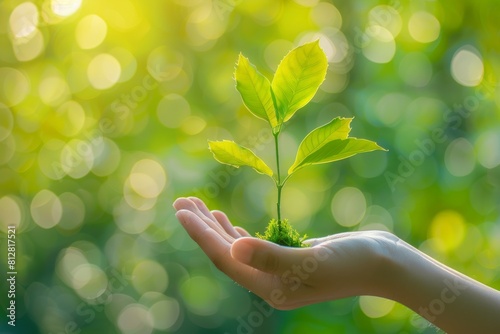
178,203
242,250
242,231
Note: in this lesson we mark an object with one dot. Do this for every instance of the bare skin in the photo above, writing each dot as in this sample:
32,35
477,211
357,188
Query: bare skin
343,265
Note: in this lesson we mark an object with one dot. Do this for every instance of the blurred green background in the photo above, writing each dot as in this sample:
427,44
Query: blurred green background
105,112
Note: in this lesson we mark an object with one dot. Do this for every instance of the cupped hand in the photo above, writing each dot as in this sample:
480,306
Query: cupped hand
336,266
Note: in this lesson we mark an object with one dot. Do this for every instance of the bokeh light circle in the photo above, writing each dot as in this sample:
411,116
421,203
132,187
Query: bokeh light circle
379,45
487,147
165,313
103,71
424,27
10,213
14,86
375,307
348,206
53,90
387,17
89,281
135,319
201,295
467,67
459,157
65,7
90,31
149,275
24,20
6,121
172,110
447,230
148,178
46,209
416,69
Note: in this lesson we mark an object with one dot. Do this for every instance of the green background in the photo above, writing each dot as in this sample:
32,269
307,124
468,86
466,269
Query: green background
105,112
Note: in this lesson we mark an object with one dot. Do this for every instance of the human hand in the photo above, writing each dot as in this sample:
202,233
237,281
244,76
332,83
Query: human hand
335,266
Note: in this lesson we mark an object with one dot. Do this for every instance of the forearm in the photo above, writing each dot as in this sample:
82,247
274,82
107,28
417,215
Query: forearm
452,301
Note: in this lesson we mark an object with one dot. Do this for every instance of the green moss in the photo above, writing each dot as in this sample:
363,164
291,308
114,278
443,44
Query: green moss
282,234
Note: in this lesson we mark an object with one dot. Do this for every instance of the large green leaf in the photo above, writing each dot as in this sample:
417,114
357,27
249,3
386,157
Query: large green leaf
255,90
230,153
338,128
334,150
297,78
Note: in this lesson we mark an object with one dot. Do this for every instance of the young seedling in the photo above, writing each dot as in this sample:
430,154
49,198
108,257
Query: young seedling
294,84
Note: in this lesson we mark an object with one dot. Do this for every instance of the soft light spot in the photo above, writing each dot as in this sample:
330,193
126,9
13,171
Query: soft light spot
65,7
201,295
30,49
73,212
77,158
298,207
348,206
46,209
103,71
90,32
326,14
14,86
424,27
49,159
53,90
467,67
416,69
69,119
24,20
389,109
387,17
148,178
165,64
459,157
134,219
6,121
69,260
89,281
307,3
173,110
107,156
193,125
165,313
7,149
378,45
10,213
149,275
369,167
447,231
375,307
377,216
135,319
488,149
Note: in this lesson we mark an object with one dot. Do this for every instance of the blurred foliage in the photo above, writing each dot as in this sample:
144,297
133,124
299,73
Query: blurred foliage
105,112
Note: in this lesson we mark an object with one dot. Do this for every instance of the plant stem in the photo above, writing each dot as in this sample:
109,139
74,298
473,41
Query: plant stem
278,181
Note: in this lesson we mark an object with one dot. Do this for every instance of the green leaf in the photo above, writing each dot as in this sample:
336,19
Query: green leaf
338,128
335,150
229,153
255,90
297,78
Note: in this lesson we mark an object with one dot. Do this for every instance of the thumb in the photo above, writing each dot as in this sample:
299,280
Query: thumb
266,256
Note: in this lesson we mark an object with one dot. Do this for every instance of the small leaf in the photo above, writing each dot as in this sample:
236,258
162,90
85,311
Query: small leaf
229,153
297,78
335,150
338,128
255,90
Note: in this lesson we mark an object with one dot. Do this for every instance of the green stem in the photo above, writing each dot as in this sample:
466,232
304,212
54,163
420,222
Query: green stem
278,181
